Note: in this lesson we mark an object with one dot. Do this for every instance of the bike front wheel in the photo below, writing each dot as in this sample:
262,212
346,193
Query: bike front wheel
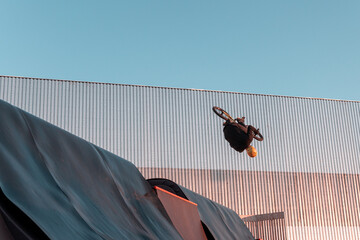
222,113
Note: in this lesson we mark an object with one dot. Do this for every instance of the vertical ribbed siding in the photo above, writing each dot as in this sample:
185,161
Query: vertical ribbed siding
308,164
267,226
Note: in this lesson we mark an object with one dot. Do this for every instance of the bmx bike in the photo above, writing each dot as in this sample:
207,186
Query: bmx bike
224,115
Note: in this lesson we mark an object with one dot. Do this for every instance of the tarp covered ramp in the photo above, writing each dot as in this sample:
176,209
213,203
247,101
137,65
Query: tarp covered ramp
71,189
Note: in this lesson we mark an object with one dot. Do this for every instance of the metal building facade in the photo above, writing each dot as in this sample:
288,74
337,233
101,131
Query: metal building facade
307,167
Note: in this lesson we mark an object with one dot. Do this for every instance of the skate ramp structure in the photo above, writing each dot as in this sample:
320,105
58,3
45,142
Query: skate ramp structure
55,185
220,221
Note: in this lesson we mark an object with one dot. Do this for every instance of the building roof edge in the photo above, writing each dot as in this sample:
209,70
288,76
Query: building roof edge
185,89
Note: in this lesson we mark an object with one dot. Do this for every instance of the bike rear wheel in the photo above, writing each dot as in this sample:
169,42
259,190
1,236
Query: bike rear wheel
222,113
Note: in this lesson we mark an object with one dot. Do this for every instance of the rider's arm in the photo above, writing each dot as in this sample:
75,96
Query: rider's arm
254,130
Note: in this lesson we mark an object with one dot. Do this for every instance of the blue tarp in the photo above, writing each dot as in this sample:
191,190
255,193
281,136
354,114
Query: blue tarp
73,189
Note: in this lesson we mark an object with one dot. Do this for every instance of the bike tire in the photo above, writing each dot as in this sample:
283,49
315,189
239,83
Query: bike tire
222,113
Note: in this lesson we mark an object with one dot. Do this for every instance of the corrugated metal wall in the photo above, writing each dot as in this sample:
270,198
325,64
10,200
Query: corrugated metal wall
267,226
307,166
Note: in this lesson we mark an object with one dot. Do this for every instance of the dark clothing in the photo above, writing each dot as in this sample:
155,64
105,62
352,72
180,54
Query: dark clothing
239,135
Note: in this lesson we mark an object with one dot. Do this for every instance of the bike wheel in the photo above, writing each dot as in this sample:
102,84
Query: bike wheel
222,113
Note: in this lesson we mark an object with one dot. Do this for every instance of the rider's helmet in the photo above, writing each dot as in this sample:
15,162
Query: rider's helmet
251,151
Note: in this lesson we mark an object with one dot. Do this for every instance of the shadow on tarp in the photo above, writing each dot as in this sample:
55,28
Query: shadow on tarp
14,224
72,189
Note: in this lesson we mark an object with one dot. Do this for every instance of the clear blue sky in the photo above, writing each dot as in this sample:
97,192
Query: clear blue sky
305,48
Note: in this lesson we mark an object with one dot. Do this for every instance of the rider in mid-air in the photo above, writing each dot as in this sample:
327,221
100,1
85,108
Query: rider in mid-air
238,134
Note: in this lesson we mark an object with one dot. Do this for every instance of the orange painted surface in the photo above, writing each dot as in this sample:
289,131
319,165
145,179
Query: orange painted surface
167,192
183,214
